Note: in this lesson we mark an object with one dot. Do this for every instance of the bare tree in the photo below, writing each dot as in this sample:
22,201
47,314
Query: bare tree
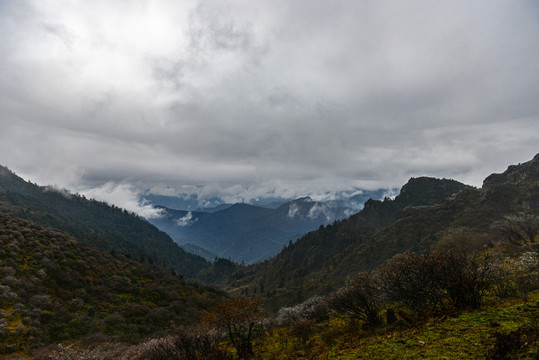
425,283
521,228
361,299
239,317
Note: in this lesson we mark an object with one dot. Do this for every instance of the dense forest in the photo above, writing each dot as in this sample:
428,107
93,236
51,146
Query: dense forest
444,270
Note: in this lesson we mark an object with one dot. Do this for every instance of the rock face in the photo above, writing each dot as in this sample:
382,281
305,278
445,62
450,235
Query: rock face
428,191
521,181
526,173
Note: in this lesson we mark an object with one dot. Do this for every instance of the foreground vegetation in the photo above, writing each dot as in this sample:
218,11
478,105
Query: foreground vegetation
438,305
442,304
502,329
53,289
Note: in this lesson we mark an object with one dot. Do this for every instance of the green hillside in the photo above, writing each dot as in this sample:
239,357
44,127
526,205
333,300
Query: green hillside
505,329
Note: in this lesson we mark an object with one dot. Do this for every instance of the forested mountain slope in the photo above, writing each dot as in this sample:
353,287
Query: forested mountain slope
96,223
314,256
427,211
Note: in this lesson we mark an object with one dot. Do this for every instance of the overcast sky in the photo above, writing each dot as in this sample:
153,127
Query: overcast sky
267,97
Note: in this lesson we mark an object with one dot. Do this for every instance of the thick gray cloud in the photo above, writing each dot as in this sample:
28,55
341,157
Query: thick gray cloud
280,98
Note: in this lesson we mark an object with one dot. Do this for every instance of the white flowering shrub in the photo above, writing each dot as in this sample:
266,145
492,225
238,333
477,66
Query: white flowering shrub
315,308
513,276
189,343
526,273
71,352
103,352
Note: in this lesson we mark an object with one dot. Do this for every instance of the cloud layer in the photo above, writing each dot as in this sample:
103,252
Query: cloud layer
279,98
124,196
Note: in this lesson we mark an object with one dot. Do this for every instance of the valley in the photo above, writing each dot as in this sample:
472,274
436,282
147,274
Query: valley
269,180
106,283
246,233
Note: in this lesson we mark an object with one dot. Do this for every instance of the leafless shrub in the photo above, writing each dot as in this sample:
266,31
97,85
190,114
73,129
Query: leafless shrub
426,282
361,299
241,318
461,278
411,280
519,229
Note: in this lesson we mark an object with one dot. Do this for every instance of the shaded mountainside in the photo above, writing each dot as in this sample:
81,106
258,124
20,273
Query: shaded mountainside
315,257
96,223
426,212
53,288
245,232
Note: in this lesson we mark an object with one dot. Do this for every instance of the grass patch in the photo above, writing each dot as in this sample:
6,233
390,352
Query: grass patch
470,335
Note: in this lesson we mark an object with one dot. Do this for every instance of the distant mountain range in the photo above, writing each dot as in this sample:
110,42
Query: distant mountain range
353,199
191,202
248,233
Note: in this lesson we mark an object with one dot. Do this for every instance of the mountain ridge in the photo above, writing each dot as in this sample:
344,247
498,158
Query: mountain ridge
426,213
96,223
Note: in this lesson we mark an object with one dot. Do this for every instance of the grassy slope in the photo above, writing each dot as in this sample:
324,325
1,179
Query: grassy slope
467,336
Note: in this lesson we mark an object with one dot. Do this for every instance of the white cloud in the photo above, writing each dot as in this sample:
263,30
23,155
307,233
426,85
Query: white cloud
186,220
293,210
319,210
65,193
241,99
124,196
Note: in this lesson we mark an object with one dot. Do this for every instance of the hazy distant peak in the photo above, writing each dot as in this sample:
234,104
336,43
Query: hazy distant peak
303,199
